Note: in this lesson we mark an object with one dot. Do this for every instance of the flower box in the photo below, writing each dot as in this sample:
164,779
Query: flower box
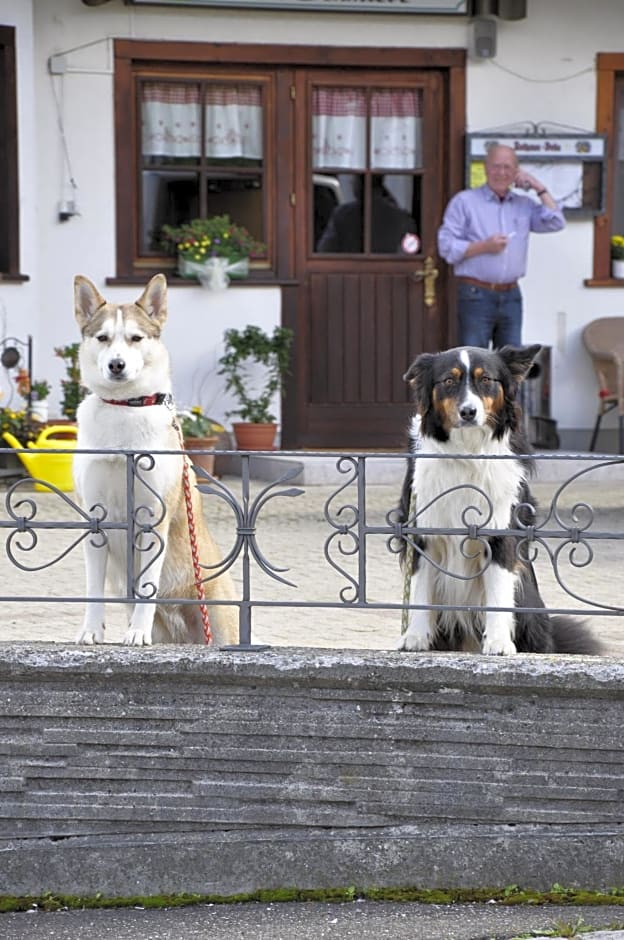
213,250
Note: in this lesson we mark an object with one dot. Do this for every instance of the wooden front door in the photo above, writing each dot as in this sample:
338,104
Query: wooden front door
368,202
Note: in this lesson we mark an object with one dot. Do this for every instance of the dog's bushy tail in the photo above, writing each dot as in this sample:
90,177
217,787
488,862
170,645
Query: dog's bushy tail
574,636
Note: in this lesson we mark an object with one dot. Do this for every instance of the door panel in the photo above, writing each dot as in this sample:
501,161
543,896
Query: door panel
361,331
361,313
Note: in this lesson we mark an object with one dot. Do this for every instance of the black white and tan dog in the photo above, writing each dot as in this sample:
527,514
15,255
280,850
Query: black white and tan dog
466,404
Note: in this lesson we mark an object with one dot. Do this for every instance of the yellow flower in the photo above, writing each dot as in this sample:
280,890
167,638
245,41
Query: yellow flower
617,247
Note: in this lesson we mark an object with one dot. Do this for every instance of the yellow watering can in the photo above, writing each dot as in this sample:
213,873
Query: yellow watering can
53,468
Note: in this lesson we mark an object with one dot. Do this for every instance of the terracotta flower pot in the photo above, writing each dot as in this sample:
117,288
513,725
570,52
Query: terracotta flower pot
254,436
205,461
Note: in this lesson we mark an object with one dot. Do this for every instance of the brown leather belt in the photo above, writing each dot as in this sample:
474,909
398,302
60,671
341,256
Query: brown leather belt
486,285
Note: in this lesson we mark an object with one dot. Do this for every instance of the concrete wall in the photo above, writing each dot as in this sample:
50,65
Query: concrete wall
129,771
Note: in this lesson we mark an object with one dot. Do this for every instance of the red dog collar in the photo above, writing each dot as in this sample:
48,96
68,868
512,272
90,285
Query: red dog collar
160,398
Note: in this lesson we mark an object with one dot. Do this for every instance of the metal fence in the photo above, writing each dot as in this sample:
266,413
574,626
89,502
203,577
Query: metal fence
577,542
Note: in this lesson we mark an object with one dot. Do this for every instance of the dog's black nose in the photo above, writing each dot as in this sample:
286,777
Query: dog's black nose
116,366
467,412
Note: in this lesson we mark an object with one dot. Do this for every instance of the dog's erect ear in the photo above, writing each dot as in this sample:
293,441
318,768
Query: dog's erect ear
153,300
87,299
519,359
419,377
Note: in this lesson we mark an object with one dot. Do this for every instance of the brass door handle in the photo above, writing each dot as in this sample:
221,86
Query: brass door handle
429,275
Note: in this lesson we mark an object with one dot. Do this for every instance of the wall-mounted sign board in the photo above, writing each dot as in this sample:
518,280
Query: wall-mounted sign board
448,7
571,166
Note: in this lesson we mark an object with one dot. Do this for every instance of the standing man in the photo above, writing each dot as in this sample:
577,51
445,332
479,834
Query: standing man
485,236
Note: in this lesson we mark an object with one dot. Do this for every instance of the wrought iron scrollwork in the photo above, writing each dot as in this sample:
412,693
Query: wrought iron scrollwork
246,515
147,541
22,510
345,520
471,529
564,533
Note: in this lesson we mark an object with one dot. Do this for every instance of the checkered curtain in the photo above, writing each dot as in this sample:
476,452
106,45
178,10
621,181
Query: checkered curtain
339,128
171,120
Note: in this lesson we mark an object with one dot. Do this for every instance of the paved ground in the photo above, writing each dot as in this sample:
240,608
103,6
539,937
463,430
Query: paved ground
293,534
359,920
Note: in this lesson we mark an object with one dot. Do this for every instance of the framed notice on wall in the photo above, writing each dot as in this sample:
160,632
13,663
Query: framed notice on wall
571,166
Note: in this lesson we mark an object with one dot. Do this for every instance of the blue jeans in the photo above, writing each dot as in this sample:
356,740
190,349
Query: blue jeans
486,315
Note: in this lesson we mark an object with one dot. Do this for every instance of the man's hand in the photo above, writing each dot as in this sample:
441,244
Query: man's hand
495,244
526,181
489,246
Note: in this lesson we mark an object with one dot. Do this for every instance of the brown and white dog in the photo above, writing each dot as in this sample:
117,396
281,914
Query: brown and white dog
125,365
466,405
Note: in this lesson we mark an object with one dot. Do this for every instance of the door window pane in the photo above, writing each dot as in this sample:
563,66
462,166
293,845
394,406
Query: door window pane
344,225
373,221
339,128
396,129
363,130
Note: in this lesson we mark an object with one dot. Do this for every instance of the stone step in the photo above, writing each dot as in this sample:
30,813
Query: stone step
321,469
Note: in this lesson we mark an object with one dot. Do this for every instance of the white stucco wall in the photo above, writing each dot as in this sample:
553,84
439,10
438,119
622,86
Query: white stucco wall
543,71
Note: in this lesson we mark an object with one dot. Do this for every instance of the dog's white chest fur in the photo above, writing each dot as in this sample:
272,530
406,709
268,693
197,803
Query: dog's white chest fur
441,505
100,426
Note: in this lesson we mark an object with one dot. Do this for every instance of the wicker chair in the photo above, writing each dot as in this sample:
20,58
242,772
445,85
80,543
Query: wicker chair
604,341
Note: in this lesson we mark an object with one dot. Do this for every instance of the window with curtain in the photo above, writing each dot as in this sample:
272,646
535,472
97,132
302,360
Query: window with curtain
366,157
9,183
610,120
202,153
617,225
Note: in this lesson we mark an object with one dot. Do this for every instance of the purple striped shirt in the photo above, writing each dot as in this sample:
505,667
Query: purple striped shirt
476,214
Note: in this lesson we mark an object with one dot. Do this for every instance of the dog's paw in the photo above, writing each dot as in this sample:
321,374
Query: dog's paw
90,635
138,637
414,641
498,646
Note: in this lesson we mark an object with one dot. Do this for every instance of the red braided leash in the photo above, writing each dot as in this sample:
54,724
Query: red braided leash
199,587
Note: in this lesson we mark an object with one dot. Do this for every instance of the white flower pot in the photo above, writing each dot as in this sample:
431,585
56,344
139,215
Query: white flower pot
39,410
617,268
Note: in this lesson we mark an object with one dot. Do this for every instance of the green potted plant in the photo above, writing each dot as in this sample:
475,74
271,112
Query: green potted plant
212,249
200,433
73,391
40,390
245,350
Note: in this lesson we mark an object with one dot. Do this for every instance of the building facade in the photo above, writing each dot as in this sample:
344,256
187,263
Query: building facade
121,117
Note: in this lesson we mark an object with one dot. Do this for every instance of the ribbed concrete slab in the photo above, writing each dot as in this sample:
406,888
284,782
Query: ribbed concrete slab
180,769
